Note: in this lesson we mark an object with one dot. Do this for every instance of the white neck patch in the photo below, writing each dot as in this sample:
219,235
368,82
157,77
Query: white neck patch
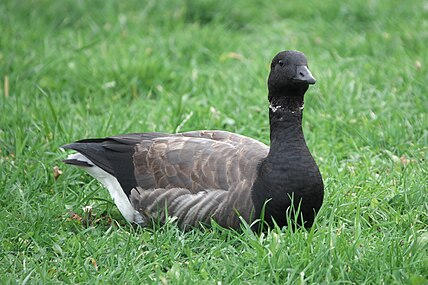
274,108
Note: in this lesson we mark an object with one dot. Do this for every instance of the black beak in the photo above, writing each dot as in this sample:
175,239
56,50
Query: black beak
303,74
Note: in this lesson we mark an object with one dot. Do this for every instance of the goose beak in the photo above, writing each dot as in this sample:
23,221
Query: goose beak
303,74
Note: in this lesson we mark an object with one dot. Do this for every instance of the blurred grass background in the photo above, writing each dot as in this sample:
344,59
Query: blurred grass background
76,69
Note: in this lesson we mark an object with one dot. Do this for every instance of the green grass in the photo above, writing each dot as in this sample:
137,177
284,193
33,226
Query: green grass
81,69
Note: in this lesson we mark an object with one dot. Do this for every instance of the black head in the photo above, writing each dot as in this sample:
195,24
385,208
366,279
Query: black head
289,74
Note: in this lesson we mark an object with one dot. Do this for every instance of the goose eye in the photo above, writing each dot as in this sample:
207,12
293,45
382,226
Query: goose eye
281,63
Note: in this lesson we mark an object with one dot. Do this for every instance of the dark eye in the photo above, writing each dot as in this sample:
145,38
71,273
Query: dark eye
281,63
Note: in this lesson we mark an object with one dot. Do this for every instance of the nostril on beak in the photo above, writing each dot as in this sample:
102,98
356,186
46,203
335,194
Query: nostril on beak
304,75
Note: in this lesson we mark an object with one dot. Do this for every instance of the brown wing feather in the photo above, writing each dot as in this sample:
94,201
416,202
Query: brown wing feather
197,161
197,176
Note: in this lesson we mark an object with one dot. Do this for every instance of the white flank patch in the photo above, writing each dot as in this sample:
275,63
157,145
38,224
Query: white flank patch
113,187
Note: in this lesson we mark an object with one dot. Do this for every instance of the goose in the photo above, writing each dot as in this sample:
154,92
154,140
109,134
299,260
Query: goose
211,175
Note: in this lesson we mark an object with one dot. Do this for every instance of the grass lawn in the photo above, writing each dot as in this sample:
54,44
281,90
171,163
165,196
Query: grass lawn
73,69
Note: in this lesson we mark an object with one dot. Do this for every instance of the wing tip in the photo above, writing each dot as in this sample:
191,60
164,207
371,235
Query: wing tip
67,146
77,162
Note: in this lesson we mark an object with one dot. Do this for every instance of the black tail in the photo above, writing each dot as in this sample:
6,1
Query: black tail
77,162
112,154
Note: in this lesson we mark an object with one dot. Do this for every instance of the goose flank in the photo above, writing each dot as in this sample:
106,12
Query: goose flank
207,175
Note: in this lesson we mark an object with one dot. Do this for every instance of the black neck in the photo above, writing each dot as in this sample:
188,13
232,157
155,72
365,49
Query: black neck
285,118
284,171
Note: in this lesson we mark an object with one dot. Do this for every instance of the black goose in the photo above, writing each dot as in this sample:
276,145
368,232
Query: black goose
202,175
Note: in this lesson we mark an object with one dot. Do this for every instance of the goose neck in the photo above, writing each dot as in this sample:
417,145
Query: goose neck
285,117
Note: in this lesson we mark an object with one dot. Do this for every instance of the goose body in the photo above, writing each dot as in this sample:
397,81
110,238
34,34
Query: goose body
202,175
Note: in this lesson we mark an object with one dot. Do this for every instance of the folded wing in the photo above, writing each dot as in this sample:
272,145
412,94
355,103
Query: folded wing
195,175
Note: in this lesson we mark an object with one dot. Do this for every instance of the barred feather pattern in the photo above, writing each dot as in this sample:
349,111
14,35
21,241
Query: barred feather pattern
196,177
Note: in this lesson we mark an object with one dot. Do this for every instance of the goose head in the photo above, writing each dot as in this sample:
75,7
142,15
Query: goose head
289,75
